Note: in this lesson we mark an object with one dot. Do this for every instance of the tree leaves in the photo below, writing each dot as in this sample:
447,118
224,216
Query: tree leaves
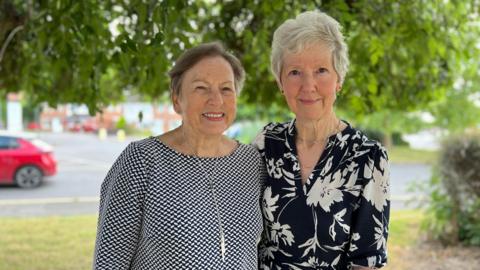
403,55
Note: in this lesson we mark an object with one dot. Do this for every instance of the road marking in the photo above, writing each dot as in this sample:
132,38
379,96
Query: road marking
82,161
50,201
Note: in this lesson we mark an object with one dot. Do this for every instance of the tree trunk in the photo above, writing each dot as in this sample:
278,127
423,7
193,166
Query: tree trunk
387,141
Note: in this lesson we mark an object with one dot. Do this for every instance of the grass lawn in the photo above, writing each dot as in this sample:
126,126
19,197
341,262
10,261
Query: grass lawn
64,243
47,243
407,155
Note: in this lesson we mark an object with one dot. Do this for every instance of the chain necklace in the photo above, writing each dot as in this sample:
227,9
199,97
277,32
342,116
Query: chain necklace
212,189
311,165
323,140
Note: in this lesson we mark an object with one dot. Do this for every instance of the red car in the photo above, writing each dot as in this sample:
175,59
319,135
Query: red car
25,160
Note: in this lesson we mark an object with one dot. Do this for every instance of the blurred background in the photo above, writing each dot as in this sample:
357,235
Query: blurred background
79,80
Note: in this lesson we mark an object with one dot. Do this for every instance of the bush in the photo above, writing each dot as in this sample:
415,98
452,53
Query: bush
121,123
453,209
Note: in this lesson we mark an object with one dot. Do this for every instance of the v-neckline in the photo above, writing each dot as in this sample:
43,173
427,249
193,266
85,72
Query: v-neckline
304,188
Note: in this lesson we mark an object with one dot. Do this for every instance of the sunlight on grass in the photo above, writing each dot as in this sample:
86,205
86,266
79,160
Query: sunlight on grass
64,243
404,233
47,243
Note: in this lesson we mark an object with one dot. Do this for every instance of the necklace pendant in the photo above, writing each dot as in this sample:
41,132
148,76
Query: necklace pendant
222,246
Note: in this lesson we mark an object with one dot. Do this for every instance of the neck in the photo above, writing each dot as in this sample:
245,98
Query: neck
200,145
317,130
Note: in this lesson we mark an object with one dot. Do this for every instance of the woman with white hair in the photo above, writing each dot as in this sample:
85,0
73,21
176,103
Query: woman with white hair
326,198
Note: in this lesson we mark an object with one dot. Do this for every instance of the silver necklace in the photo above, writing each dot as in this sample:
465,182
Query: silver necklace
212,189
323,140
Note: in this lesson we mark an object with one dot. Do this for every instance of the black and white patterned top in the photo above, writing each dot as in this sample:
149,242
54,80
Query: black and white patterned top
157,212
339,218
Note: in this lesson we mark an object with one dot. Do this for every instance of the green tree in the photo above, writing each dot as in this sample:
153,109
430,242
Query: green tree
404,54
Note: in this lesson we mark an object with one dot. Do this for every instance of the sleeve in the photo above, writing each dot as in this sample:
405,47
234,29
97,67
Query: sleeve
259,142
371,216
121,211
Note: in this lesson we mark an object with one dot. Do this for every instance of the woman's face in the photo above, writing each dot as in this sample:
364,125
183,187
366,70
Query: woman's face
207,100
310,82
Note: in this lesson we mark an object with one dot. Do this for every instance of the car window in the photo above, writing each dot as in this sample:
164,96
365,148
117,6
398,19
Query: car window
8,143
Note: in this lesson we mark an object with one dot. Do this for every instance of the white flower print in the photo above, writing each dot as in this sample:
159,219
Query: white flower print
351,179
372,261
293,158
342,140
379,236
325,192
312,243
327,167
377,191
273,170
269,203
259,141
267,252
312,262
283,232
355,237
350,185
338,219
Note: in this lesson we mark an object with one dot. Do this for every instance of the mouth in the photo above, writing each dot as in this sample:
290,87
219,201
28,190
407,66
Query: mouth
214,116
309,101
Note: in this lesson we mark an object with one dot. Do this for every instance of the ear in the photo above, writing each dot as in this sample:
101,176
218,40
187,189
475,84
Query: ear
279,84
176,104
338,87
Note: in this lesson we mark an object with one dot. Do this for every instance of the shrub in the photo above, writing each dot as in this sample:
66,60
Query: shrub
121,123
453,210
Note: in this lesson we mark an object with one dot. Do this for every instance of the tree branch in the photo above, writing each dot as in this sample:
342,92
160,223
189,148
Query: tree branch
9,38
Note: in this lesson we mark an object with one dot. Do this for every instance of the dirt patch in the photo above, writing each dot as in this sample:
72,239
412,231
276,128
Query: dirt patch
433,256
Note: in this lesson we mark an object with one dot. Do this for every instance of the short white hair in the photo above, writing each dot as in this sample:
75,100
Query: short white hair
309,28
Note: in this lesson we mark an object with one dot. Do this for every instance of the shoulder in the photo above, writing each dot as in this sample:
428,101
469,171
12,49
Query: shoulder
271,130
139,153
248,150
362,144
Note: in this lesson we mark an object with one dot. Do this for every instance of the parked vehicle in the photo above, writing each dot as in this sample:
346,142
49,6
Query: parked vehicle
25,160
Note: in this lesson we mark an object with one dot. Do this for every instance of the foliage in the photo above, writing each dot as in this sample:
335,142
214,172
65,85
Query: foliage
454,191
92,51
456,111
121,123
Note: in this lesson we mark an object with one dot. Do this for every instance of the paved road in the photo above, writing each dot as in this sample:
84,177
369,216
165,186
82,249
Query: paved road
83,161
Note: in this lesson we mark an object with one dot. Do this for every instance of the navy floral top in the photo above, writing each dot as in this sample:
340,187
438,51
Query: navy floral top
339,218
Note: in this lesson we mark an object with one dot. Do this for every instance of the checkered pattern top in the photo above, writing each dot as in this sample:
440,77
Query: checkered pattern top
157,212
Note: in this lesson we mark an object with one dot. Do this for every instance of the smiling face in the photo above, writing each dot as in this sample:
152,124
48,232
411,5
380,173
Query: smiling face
207,100
309,82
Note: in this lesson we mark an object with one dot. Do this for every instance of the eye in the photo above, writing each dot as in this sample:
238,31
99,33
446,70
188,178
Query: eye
322,70
201,88
294,72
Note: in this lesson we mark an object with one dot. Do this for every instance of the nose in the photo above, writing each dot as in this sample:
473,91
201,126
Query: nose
308,82
215,97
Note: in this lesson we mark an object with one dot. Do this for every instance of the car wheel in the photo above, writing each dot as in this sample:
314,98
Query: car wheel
28,177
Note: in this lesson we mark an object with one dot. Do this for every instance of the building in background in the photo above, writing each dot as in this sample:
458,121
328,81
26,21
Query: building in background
142,115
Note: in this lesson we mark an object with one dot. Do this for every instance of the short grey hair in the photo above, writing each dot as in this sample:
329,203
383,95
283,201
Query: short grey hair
194,55
308,28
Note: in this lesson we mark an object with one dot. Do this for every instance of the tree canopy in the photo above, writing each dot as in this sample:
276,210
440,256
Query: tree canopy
403,54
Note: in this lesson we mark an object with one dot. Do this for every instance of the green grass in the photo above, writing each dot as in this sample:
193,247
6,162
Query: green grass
404,227
64,243
406,155
47,243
